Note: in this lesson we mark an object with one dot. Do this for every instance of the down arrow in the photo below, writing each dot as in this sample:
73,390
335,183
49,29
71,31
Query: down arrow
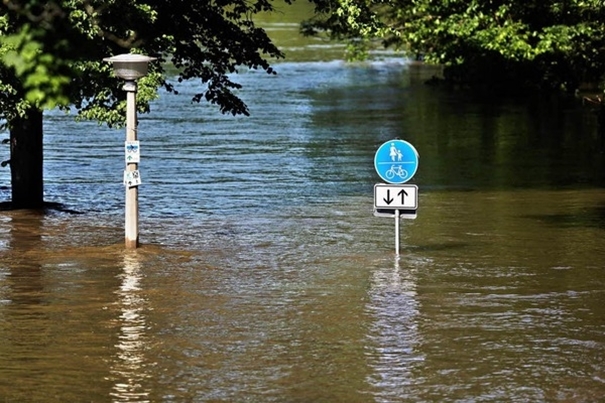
388,200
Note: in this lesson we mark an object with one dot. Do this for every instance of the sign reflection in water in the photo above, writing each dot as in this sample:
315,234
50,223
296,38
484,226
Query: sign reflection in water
393,336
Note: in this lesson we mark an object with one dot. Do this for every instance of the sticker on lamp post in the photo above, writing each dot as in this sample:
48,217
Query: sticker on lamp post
132,151
132,178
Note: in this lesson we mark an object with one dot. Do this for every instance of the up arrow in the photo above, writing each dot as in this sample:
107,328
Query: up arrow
401,193
388,200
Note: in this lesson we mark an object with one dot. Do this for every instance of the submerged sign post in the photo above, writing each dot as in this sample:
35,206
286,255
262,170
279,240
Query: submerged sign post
396,162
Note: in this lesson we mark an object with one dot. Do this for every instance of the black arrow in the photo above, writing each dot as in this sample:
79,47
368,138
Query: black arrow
388,200
403,194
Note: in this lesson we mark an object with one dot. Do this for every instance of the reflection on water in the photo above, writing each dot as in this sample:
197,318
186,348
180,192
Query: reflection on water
130,371
393,336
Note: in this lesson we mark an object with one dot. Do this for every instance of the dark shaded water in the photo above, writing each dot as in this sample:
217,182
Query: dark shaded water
264,276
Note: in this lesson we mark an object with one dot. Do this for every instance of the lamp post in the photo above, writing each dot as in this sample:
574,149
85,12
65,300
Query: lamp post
131,67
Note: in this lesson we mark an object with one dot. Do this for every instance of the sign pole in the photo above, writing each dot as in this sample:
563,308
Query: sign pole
397,232
132,193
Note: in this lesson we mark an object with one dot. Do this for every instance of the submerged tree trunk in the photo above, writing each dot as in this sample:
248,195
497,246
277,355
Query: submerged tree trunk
26,161
601,124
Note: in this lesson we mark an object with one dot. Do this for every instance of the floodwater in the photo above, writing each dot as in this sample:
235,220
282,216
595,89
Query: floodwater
263,275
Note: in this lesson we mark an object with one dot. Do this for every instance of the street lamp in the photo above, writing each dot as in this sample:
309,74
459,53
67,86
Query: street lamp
131,67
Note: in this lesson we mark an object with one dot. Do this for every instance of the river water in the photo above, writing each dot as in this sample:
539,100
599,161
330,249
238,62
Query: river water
263,275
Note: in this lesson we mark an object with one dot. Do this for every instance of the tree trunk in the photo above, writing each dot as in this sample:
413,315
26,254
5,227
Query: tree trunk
26,161
601,124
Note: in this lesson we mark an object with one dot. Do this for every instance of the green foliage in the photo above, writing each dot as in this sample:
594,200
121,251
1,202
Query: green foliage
350,19
51,51
553,44
44,76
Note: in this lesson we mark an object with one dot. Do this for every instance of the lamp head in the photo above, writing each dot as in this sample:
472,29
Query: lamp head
130,66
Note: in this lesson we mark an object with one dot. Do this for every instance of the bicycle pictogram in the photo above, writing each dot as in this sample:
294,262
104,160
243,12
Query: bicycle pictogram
396,170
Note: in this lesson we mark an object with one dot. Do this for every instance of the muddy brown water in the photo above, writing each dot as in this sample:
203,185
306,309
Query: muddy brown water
264,277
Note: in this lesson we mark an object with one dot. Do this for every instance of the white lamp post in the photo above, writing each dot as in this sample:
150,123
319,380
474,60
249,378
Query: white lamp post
131,67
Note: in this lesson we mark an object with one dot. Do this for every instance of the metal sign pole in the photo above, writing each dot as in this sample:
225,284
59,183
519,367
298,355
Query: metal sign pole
397,232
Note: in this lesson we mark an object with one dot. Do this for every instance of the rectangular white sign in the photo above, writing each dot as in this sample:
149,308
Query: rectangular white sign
132,152
132,178
395,197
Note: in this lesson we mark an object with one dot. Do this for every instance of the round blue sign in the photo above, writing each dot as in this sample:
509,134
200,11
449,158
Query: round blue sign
396,161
